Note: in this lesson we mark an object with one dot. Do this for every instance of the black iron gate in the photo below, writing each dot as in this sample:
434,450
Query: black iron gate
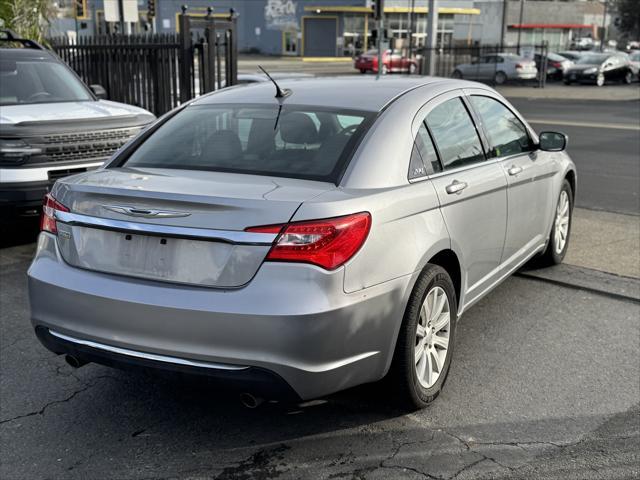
157,71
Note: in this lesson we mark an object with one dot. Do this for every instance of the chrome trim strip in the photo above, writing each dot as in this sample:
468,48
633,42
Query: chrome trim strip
148,356
229,236
40,174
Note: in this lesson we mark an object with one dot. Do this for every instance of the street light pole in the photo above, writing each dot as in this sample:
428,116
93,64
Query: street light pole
604,27
520,23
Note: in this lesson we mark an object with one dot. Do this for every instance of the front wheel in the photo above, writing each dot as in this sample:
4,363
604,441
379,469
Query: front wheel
628,78
559,238
600,80
456,74
425,342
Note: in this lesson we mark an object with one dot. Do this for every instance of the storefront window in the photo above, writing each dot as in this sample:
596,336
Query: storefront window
354,35
399,25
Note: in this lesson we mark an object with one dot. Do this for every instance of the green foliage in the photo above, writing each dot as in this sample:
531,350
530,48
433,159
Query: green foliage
629,17
28,18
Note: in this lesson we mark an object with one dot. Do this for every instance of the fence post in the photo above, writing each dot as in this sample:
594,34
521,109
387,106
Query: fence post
209,54
186,60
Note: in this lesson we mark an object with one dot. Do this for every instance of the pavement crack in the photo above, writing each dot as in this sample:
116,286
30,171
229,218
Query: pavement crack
55,402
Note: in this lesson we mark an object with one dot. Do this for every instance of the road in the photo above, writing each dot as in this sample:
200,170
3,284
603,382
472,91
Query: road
604,142
540,386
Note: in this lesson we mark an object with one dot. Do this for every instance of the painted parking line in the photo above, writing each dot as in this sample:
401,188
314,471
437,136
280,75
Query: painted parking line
618,126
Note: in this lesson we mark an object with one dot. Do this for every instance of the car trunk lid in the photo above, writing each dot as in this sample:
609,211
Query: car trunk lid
172,225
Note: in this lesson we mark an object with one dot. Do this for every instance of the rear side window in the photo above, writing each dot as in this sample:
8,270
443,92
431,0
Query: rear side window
424,160
301,142
507,134
455,134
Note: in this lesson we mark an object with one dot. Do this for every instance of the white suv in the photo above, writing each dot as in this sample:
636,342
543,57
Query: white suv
51,124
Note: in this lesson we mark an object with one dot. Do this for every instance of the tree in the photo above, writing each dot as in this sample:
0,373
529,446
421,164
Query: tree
28,18
628,18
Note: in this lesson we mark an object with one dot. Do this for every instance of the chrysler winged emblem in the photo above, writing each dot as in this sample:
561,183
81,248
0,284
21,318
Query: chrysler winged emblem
144,212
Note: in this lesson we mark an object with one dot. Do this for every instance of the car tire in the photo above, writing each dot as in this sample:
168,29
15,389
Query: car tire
412,391
567,82
500,78
456,74
600,80
558,241
628,78
363,70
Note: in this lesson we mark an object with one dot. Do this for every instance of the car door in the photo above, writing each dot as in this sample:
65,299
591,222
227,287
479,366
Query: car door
528,171
471,191
486,67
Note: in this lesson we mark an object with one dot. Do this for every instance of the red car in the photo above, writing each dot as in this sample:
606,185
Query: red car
392,61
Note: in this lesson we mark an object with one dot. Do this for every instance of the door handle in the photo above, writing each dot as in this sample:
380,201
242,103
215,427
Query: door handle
456,187
514,170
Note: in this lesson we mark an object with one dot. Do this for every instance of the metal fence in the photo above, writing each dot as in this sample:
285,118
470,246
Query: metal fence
157,71
483,63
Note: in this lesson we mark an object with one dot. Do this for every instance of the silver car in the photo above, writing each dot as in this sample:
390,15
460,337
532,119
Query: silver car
499,67
301,244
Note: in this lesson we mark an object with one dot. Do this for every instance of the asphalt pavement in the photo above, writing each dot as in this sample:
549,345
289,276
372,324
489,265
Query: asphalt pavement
545,382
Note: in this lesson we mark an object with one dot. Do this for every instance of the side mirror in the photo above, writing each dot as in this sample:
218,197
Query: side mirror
99,91
552,141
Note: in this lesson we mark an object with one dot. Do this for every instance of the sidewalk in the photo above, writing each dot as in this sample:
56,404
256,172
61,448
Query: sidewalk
574,92
609,242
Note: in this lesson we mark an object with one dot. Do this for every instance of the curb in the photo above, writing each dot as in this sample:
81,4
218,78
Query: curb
594,281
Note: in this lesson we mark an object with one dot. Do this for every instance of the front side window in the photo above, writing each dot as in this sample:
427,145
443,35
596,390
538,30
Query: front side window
455,134
507,134
38,81
300,142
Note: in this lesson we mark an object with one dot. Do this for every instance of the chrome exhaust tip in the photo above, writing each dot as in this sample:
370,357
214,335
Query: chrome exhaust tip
250,401
75,362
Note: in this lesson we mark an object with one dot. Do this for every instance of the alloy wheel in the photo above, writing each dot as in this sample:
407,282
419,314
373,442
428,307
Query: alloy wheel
600,80
432,337
561,224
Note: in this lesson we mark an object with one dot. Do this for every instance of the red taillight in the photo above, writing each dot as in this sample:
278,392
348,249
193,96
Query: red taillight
327,243
556,64
47,219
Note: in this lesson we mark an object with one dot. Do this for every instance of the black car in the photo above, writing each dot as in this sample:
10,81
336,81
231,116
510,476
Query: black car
599,68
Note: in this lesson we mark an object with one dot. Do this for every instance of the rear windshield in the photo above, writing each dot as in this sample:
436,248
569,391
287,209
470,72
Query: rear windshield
592,58
311,143
38,81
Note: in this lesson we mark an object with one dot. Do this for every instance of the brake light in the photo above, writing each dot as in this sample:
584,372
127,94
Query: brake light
328,243
48,219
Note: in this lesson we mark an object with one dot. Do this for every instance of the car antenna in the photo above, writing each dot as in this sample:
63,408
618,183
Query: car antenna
280,93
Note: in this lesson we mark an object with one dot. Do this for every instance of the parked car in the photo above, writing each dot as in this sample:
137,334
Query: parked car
392,61
556,65
288,246
573,55
499,67
598,68
52,125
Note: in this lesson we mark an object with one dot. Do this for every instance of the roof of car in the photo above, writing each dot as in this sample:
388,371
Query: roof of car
348,92
25,53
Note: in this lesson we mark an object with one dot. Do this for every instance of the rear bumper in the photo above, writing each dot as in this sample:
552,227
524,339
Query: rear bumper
292,321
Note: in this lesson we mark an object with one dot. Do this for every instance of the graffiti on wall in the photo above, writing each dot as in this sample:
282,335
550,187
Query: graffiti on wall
281,15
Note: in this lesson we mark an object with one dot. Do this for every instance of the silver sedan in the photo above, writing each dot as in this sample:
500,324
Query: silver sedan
300,244
499,67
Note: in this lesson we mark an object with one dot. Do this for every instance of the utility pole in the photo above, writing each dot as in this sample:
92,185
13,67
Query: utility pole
604,27
121,12
412,7
504,24
378,14
432,36
520,24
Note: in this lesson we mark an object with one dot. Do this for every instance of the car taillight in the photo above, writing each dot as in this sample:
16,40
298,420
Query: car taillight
556,64
328,243
48,219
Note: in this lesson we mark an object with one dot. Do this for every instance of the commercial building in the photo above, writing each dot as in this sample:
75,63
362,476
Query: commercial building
337,28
